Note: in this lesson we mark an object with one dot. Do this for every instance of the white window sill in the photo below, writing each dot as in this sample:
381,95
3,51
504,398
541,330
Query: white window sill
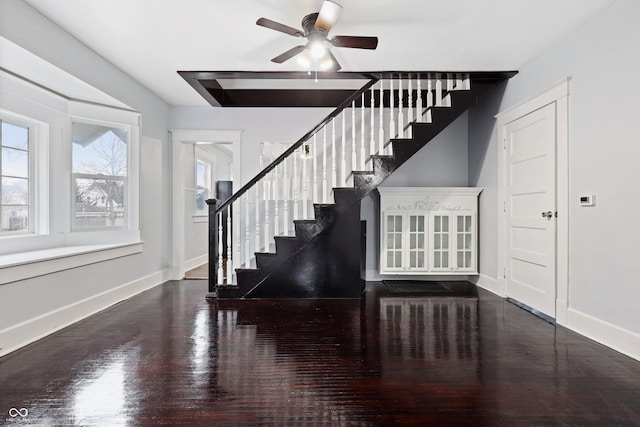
25,265
200,218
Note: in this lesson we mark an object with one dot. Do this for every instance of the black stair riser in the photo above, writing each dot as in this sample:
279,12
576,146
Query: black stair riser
287,245
267,260
306,229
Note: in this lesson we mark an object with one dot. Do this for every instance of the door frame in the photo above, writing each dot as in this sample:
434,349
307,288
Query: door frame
558,94
182,140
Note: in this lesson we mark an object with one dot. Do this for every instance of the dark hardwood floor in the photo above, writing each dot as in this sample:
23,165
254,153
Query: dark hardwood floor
169,357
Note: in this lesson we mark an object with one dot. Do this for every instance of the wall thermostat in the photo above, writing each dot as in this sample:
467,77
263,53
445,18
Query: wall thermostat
588,200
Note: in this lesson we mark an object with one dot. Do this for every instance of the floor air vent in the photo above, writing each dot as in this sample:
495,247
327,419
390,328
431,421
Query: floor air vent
414,286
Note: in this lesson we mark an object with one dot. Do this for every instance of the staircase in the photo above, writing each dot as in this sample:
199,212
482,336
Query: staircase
295,231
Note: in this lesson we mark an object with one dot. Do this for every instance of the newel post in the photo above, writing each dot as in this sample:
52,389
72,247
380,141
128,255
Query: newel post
213,248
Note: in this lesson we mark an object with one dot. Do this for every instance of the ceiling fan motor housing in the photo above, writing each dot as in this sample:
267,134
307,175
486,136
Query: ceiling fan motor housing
308,24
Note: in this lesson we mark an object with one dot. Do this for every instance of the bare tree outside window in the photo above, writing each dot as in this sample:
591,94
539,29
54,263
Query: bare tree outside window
99,175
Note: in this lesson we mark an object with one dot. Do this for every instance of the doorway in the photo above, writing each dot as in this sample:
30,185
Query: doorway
187,228
533,224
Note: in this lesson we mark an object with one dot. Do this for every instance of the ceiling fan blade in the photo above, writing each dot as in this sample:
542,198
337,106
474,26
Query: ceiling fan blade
357,42
273,25
336,66
288,54
328,16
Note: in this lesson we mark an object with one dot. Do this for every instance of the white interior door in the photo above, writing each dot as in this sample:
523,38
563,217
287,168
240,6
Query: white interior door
530,159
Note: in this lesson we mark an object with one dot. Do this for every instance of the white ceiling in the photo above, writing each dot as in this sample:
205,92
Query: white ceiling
152,39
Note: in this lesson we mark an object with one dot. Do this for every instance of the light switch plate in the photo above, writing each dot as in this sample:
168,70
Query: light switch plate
588,200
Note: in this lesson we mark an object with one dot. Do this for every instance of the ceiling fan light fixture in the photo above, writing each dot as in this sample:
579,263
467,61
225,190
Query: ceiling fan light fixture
326,63
304,59
317,48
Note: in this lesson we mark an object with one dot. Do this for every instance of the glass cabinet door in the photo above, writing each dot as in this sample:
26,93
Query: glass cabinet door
417,250
465,241
440,236
393,242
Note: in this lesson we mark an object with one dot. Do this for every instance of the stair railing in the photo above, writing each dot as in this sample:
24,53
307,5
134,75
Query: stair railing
324,158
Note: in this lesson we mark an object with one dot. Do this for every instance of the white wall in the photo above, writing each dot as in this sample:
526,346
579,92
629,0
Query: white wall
35,307
440,163
604,150
258,125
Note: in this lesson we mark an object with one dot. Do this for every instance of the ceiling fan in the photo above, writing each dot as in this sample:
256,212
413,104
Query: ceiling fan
316,27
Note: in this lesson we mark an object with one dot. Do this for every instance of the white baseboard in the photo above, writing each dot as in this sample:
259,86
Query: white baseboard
375,276
488,283
615,337
196,262
26,332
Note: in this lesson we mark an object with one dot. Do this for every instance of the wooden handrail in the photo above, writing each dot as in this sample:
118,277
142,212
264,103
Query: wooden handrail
372,81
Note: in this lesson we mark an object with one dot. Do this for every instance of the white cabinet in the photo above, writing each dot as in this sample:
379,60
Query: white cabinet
427,230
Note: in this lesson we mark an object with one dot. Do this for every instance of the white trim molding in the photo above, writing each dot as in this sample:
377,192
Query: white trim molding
558,94
180,140
17,336
613,336
25,265
488,283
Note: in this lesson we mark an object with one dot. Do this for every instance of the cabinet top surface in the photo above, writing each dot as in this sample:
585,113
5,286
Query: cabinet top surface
471,191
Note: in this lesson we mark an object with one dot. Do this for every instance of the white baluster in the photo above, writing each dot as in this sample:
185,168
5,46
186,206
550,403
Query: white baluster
362,149
285,198
459,83
400,109
267,206
305,184
428,117
220,270
419,100
324,164
392,123
354,160
372,109
381,119
438,94
410,108
343,153
466,82
229,266
247,232
295,181
334,171
314,155
276,203
257,236
446,101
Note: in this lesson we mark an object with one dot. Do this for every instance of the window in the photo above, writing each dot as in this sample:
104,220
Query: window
203,185
69,181
16,189
99,171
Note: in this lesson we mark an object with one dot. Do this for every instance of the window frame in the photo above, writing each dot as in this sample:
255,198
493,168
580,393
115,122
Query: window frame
72,202
38,158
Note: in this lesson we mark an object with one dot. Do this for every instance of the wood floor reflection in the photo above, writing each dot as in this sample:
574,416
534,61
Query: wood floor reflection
168,357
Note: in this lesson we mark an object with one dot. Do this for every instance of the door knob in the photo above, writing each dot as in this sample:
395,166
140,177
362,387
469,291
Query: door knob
547,214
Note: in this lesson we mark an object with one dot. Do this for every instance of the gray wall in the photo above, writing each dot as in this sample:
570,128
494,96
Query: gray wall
602,61
28,299
440,163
